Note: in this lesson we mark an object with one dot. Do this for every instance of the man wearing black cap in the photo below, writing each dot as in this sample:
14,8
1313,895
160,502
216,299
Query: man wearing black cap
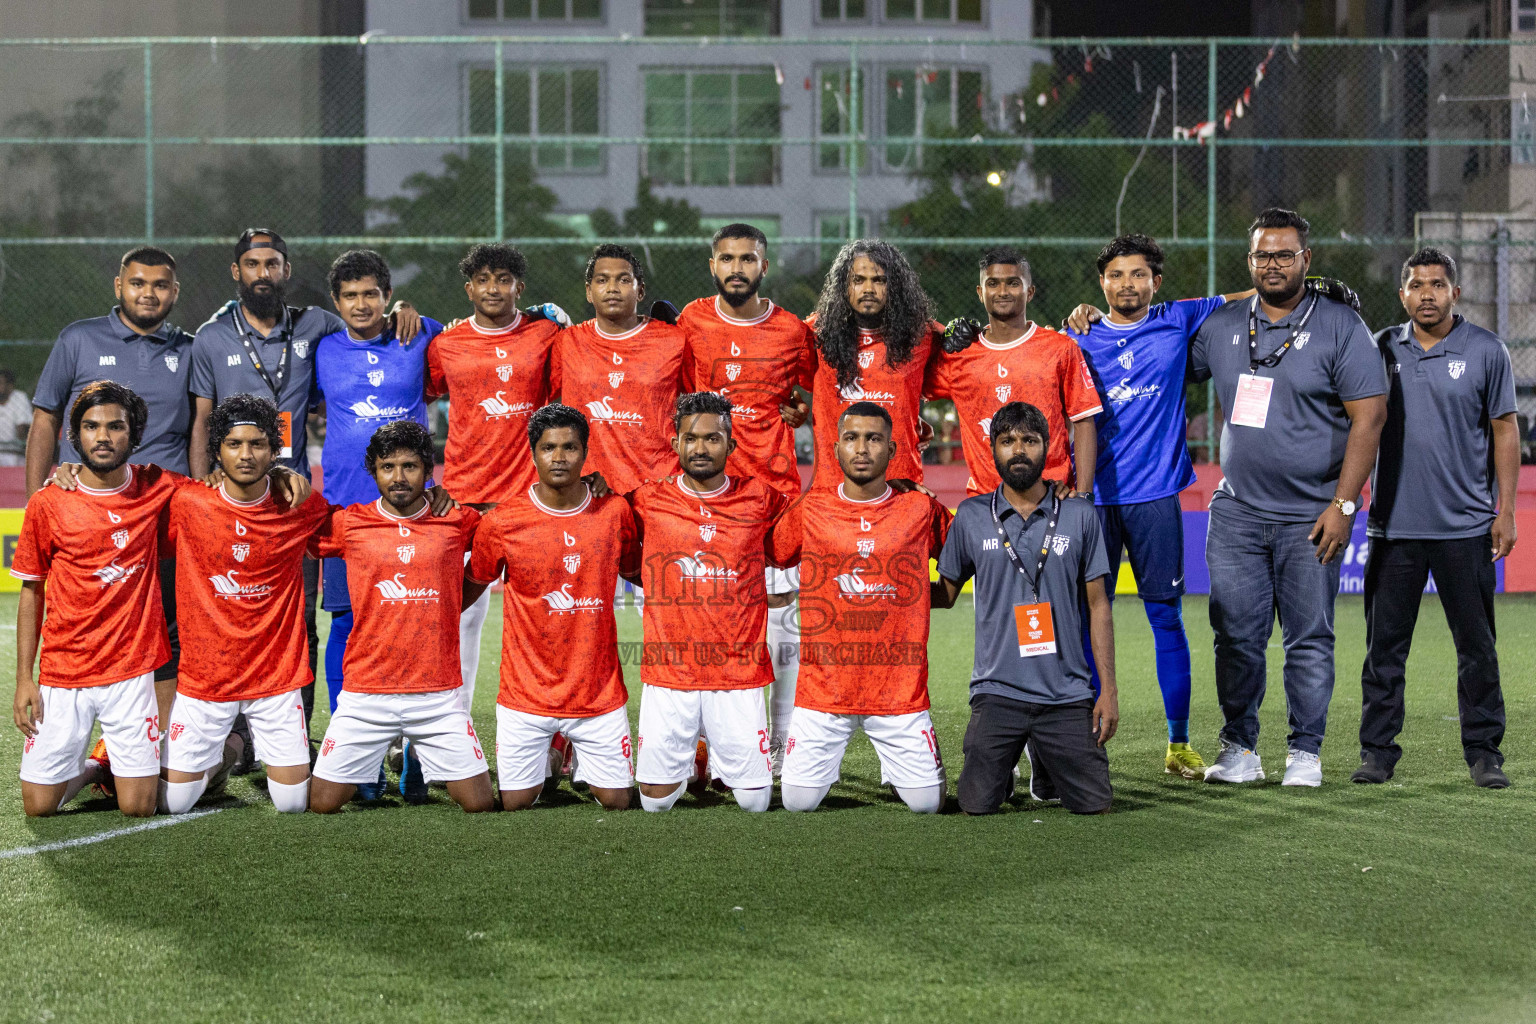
265,347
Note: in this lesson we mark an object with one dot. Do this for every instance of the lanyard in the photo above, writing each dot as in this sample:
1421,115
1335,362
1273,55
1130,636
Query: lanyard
1033,583
242,328
1273,359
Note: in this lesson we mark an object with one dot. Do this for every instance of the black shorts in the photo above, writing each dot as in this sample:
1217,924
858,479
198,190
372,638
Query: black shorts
1152,534
168,604
1060,736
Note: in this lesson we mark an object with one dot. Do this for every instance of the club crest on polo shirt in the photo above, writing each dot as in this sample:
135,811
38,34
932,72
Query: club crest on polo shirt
1457,368
1125,359
1003,391
497,408
572,562
240,551
851,584
396,591
697,568
1060,543
406,553
301,349
375,377
604,410
707,532
227,585
112,573
1302,339
370,409
171,362
120,539
561,602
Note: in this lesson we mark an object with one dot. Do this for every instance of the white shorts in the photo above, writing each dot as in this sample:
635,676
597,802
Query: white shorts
907,746
781,581
130,723
200,727
365,724
602,748
734,721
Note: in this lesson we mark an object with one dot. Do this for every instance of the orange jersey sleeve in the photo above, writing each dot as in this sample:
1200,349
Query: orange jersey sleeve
494,380
627,387
98,551
559,643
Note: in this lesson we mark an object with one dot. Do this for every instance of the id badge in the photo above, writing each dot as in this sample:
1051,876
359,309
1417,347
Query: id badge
1037,632
1251,406
285,427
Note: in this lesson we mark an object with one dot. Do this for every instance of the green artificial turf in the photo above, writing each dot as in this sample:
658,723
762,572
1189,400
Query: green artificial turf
1414,901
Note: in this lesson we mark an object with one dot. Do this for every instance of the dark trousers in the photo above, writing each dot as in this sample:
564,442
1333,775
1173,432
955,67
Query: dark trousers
1060,737
168,605
1395,574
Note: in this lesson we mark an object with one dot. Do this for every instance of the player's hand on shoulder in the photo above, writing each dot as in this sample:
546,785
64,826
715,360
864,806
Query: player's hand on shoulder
597,485
924,435
440,501
901,485
65,477
795,413
294,488
551,312
960,334
1083,317
215,477
1333,288
405,321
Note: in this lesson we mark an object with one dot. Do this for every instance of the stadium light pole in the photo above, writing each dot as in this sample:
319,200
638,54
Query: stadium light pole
149,141
501,149
855,119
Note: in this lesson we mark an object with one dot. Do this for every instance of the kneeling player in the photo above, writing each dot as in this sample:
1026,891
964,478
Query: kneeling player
864,601
94,552
405,575
706,663
562,550
240,601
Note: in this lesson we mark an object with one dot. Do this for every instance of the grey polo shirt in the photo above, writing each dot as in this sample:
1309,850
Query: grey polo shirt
1434,475
1077,556
1287,471
155,366
221,365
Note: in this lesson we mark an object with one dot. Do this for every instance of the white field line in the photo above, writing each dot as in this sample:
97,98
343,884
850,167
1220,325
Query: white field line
101,837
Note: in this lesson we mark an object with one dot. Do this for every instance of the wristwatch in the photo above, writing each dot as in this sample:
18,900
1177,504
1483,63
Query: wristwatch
1347,507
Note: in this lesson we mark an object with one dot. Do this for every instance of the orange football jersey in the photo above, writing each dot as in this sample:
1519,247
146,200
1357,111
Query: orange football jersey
99,552
706,608
559,643
756,364
406,579
899,391
627,387
864,598
494,380
240,592
1044,368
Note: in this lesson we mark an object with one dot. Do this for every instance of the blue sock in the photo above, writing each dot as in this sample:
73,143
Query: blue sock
335,651
1172,650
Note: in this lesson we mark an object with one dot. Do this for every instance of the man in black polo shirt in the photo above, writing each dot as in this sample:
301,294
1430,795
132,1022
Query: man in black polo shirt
1450,435
136,346
1032,554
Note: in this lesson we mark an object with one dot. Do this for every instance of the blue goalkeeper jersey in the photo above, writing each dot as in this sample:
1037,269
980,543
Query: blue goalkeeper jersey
366,384
1140,369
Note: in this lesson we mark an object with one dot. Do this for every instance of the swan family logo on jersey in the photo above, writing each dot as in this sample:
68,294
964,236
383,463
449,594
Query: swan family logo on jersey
1125,391
497,407
1003,391
852,584
240,551
572,562
855,393
370,409
112,573
227,586
696,568
561,602
604,410
375,378
986,427
395,591
120,538
406,553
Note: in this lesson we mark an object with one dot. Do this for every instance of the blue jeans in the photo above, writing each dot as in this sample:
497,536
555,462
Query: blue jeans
1258,570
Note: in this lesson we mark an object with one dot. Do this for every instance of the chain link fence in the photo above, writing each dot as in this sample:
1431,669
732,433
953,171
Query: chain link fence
421,146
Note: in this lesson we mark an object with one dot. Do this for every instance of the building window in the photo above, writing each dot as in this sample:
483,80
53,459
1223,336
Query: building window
929,101
955,12
835,115
1525,15
711,17
832,232
844,10
551,11
712,104
1523,140
547,103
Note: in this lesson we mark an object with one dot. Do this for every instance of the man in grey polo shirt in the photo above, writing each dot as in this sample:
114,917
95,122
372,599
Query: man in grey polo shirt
1450,435
1303,390
1032,554
134,345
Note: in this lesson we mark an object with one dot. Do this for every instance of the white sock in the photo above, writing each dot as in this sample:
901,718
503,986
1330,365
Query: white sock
181,797
784,646
289,799
471,625
73,787
661,803
803,798
754,800
922,799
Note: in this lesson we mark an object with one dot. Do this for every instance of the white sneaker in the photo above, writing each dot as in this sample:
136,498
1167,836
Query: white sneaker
1235,764
1303,769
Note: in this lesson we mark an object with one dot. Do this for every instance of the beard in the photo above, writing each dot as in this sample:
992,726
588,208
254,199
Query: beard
266,305
102,466
738,299
147,323
1021,474
1283,293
